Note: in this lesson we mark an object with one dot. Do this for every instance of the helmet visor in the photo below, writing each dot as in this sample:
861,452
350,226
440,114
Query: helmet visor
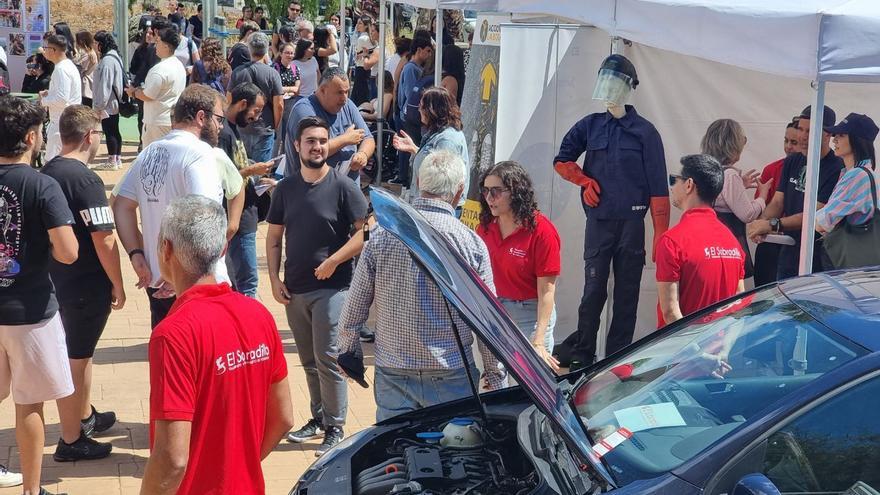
612,87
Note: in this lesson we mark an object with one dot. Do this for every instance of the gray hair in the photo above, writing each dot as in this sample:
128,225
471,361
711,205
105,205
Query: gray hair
196,228
258,45
305,24
724,141
442,174
331,73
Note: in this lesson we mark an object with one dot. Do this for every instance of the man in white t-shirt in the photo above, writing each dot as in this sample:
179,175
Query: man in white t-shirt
181,163
188,53
65,89
162,87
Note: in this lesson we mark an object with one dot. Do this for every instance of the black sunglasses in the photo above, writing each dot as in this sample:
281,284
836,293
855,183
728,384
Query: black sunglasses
673,178
495,191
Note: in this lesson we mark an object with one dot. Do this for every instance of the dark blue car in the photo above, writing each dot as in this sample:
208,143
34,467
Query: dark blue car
776,390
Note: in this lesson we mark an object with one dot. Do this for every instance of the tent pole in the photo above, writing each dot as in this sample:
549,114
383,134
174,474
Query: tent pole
438,50
209,10
380,89
341,36
812,179
121,29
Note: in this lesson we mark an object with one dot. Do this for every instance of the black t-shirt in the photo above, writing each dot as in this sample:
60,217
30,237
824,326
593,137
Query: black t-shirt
87,200
30,204
238,55
317,220
791,183
197,24
269,82
230,142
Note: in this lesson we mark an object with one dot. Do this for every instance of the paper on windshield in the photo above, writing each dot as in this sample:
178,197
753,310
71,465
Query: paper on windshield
650,416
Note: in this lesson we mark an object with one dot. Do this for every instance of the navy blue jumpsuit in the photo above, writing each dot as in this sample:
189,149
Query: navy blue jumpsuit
625,156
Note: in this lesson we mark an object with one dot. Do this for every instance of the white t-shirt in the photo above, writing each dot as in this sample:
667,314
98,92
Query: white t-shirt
308,76
391,63
65,89
167,169
182,51
164,83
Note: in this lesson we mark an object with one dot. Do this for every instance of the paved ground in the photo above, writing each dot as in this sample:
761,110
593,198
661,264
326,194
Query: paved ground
121,384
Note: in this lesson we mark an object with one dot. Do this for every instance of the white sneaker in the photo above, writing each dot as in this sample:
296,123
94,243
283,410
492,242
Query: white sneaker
107,166
8,478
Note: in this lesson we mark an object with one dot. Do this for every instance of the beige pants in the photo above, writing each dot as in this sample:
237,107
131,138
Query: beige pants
154,132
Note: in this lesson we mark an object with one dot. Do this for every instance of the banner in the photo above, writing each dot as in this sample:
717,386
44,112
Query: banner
480,107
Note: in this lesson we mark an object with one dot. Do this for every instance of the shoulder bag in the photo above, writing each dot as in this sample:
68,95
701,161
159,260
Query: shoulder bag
852,246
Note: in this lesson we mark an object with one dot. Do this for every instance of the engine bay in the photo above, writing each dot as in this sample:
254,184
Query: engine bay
460,456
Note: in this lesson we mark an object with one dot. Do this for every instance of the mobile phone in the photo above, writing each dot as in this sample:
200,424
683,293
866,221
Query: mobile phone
277,158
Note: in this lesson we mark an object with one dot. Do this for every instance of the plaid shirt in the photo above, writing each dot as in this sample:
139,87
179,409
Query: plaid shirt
413,329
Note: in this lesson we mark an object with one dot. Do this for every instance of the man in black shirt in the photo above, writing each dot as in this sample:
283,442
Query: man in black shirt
241,256
90,287
316,210
35,225
294,15
784,214
196,26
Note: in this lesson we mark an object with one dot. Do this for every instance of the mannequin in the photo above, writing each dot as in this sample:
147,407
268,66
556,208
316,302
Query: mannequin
623,176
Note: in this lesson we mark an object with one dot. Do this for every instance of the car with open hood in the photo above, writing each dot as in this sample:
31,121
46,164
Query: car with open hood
773,391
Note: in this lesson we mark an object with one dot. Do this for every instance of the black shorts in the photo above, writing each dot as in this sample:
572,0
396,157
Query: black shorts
84,318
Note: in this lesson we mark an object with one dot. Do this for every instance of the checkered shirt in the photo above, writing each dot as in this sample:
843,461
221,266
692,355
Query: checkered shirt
413,328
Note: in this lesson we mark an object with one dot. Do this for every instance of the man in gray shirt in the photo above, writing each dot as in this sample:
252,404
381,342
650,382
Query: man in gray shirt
259,137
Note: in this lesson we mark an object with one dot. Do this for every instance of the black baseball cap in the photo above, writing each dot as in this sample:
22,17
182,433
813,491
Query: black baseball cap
856,124
827,119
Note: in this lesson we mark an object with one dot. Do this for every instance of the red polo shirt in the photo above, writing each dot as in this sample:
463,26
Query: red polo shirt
771,172
704,258
522,257
212,361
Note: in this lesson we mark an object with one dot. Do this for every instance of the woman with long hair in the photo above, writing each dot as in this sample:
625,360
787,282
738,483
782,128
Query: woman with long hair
307,66
325,46
736,206
290,84
852,200
63,29
211,68
524,249
109,85
441,118
86,60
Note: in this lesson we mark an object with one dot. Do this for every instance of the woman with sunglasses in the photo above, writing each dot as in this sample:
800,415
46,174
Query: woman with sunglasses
524,249
736,206
441,118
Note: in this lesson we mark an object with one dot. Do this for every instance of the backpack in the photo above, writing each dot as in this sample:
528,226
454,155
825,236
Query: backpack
128,106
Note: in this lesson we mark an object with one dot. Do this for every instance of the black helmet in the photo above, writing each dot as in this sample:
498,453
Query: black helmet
621,64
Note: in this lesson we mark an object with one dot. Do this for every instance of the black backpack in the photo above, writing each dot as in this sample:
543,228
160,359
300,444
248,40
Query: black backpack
128,106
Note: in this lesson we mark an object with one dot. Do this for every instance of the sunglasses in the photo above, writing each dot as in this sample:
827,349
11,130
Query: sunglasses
674,178
494,192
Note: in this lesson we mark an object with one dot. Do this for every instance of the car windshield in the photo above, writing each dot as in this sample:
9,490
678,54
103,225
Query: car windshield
662,404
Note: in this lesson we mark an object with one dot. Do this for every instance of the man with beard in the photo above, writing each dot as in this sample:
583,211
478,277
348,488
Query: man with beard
247,103
320,214
181,163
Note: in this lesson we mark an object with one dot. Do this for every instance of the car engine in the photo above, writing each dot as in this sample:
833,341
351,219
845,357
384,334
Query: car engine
457,457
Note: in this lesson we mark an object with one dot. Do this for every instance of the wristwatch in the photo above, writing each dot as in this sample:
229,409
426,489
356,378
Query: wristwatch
775,225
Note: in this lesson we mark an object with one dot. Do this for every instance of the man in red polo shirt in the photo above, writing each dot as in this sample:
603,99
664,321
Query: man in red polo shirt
219,397
699,262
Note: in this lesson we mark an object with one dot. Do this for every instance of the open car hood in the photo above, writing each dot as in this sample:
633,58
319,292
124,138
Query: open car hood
463,288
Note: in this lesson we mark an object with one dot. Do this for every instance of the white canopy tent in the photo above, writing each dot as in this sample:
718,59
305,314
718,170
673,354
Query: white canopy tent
821,40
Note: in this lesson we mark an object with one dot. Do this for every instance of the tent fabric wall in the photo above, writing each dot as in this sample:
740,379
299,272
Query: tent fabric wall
681,95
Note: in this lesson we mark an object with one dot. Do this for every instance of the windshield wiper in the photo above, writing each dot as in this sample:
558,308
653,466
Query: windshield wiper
568,394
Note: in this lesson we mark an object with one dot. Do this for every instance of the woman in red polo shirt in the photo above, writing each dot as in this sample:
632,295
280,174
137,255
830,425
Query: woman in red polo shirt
524,250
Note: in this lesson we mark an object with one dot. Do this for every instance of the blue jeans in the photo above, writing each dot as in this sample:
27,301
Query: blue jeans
259,147
313,318
402,390
525,315
241,262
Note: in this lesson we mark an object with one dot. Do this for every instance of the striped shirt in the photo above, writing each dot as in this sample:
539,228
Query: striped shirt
413,327
851,199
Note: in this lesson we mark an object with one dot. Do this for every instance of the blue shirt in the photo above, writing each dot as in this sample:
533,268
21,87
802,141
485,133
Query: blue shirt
311,107
448,138
408,76
625,156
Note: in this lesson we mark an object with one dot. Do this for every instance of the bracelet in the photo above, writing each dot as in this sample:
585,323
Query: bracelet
136,251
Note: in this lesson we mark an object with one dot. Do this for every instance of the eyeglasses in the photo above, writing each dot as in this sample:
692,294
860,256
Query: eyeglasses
219,118
494,192
294,10
674,178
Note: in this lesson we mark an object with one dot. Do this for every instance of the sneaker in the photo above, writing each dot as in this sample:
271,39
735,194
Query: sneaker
366,335
44,492
8,478
312,429
107,166
333,436
83,449
98,422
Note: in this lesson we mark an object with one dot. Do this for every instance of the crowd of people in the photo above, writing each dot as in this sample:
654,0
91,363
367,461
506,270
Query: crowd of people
279,132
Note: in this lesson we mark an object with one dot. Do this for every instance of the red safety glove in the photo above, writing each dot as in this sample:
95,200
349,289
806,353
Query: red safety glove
660,217
572,172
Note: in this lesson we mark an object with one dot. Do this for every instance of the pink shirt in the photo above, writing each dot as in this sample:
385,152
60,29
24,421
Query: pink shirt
736,199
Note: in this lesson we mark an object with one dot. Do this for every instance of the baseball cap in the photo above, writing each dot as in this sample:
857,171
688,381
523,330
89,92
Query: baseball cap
856,124
827,119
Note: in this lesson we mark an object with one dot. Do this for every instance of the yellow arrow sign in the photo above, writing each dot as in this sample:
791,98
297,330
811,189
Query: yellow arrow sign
488,79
